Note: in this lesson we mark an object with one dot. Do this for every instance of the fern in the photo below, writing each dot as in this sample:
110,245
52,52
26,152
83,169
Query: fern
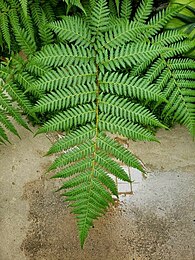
95,74
94,87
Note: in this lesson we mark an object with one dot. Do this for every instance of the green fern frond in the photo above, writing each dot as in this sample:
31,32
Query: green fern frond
122,33
122,107
61,55
72,29
8,110
23,38
168,37
158,21
95,80
24,6
118,151
143,11
71,76
16,94
117,125
126,9
45,32
123,85
5,29
4,120
74,138
77,153
71,117
71,3
61,99
128,55
99,17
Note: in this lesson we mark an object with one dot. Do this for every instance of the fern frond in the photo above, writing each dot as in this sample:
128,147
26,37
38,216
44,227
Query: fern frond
118,151
126,9
128,55
6,104
77,153
100,77
143,11
123,85
61,55
16,94
111,166
49,11
155,70
28,83
27,23
71,76
178,48
4,120
117,125
71,3
71,117
121,107
22,36
24,6
74,138
122,33
76,168
5,29
45,32
158,21
168,37
61,99
72,29
99,17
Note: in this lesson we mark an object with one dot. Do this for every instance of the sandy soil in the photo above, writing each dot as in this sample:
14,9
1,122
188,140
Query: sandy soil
157,222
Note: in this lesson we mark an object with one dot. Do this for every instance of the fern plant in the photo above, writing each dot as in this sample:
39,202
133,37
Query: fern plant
96,72
99,78
22,29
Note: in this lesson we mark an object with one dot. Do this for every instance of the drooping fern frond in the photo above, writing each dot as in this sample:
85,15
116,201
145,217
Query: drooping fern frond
98,78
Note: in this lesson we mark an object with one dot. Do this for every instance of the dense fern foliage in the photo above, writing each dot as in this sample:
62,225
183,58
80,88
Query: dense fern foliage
99,78
95,72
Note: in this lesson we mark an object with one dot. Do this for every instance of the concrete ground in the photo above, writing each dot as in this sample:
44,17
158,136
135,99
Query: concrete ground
157,222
